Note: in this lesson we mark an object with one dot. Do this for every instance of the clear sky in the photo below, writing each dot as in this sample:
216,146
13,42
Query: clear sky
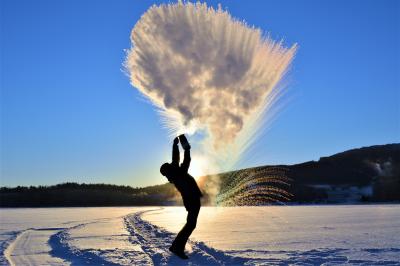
69,113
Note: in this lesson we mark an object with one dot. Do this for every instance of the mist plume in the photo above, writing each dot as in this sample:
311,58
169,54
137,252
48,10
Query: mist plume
206,72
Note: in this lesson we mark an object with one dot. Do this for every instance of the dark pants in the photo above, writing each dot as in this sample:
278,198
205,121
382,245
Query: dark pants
193,208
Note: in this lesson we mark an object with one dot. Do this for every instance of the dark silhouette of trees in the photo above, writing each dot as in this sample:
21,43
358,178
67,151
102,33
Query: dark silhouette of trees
74,194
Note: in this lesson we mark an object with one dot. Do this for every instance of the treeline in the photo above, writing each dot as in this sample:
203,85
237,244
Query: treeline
74,194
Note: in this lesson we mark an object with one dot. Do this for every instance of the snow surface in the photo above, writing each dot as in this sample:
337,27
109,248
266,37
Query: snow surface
295,235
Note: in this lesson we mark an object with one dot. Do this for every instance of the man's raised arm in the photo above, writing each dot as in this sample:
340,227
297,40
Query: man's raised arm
175,153
186,159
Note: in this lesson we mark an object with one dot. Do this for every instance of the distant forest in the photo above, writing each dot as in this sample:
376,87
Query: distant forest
365,175
74,195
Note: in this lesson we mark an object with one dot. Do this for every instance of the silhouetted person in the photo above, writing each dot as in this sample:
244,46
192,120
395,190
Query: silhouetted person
190,192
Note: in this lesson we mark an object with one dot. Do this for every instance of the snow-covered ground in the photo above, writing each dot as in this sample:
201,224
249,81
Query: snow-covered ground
299,235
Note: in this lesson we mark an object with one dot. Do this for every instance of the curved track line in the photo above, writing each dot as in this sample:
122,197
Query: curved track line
10,248
30,247
155,242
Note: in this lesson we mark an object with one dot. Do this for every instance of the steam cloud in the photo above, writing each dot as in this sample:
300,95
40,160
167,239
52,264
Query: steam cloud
206,71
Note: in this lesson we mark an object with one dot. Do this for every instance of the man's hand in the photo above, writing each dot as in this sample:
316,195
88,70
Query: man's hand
176,141
184,142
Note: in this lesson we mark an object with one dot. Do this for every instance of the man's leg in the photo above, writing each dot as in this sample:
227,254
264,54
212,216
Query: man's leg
191,221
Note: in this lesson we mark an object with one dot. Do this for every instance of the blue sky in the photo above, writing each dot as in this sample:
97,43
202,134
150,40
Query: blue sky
69,113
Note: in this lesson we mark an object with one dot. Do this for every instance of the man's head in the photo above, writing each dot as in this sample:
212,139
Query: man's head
166,170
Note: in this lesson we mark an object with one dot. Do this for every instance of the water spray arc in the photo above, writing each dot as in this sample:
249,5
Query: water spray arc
255,186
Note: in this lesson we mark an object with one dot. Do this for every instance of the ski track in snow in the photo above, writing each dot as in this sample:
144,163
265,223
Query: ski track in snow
48,246
29,247
150,243
7,245
155,242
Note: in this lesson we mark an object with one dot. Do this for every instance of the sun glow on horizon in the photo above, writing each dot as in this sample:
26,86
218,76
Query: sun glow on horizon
200,166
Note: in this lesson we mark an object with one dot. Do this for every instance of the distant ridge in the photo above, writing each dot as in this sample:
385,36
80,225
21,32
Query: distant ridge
364,175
